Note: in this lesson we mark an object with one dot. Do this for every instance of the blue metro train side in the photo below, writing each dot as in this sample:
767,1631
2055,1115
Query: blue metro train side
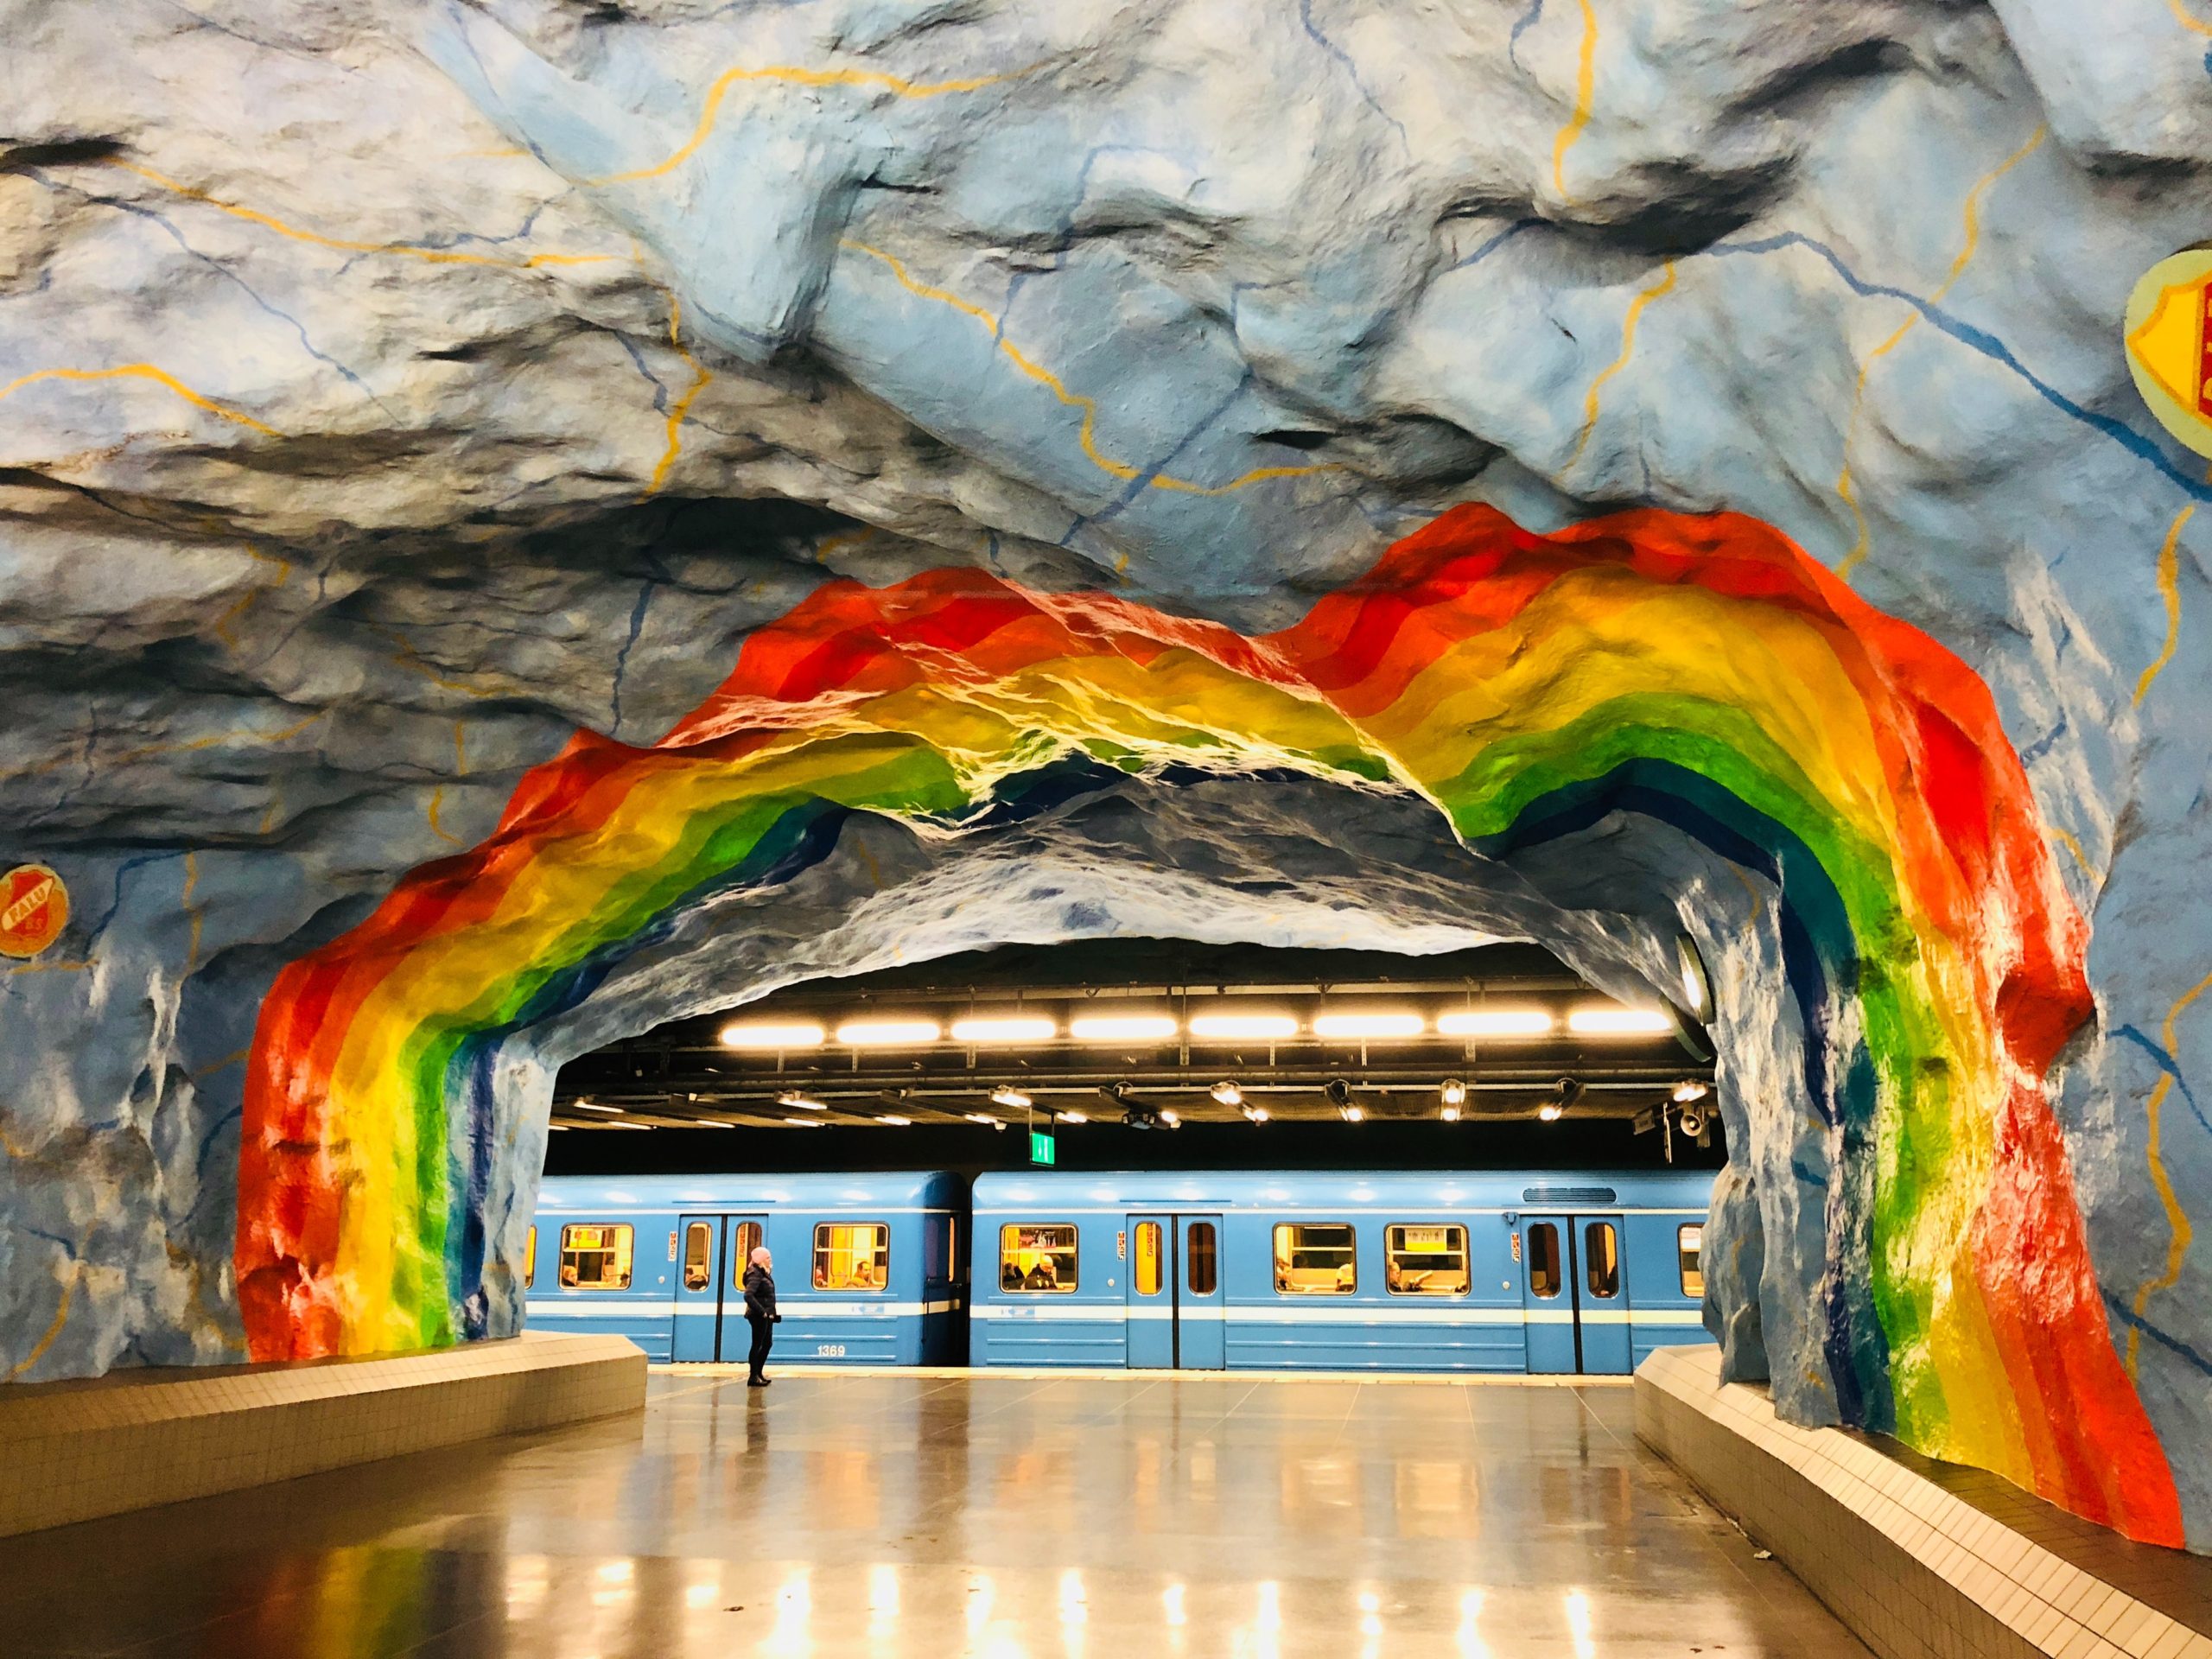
868,1267
1338,1272
1509,1272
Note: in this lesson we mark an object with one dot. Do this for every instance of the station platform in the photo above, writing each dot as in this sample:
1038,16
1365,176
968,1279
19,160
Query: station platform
1002,1516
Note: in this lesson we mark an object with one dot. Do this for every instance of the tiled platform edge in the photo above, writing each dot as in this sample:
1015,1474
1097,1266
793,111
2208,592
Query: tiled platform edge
1915,1571
72,1451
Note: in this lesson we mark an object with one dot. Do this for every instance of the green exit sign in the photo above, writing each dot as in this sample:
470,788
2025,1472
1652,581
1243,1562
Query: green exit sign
1043,1149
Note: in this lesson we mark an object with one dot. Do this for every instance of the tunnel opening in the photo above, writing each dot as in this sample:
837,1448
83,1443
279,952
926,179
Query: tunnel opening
1635,731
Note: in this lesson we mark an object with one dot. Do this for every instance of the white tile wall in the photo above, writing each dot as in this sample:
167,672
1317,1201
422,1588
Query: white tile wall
71,1451
1916,1571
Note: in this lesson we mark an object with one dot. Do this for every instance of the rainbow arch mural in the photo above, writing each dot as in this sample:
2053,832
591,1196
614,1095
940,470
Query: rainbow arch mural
1701,670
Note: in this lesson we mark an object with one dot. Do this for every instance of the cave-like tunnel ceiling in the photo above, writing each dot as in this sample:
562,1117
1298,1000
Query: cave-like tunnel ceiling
1151,1033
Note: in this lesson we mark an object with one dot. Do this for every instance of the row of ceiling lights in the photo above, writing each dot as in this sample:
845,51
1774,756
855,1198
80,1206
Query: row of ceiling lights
1452,1092
1592,1019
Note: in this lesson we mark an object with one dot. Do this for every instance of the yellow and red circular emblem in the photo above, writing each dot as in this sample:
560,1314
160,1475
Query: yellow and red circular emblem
2169,344
33,907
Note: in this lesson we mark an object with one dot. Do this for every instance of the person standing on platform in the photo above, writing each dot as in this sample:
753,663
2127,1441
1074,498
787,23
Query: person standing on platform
761,1312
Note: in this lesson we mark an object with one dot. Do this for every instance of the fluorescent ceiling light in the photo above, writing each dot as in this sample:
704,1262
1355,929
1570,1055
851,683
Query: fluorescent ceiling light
1122,1027
1255,1025
1173,1120
1255,1114
710,1123
1071,1118
1353,1113
626,1126
1369,1025
887,1033
1012,1097
1227,1093
1607,1020
1550,1111
792,1097
1690,1089
897,1122
1008,1028
587,1106
1495,1022
980,1117
764,1033
803,1122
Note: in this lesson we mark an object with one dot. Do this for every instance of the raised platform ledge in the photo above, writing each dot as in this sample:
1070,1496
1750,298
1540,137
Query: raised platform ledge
1907,1552
72,1451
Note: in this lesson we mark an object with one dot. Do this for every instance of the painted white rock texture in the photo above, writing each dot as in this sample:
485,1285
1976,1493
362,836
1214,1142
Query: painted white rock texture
389,392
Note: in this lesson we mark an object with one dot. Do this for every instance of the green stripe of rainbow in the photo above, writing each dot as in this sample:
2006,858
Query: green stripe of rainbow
1702,671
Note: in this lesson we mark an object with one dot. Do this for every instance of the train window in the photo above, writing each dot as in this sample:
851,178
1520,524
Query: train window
698,1256
529,1260
1689,1258
594,1257
1203,1269
1037,1257
740,1252
1601,1259
1152,1275
1425,1261
852,1256
1544,1279
1315,1259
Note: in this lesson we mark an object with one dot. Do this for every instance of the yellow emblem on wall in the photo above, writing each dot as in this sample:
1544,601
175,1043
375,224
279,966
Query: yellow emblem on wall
2169,344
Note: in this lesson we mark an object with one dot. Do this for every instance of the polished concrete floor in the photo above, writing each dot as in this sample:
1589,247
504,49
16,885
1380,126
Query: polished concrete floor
1005,1517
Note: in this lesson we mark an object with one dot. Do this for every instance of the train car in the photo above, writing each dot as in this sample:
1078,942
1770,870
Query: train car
1308,1270
869,1269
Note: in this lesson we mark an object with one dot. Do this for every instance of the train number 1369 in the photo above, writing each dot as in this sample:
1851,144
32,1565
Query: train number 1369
829,1350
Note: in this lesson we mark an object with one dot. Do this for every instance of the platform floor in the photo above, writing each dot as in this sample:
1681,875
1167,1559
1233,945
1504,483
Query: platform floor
1002,1518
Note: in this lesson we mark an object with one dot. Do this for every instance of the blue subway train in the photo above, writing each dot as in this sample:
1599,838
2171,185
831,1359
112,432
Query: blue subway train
1499,1272
869,1269
1337,1272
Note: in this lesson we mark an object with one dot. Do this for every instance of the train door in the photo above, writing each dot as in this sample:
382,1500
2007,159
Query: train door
1175,1298
1601,1304
698,1293
1571,1293
1201,1343
711,1255
1151,1344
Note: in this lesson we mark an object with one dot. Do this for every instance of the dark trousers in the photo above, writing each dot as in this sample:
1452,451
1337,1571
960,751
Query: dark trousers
764,1336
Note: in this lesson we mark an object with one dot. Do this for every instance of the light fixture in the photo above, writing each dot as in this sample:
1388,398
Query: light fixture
1352,1114
762,1034
1255,1114
888,1034
1454,1092
588,1106
1450,1114
896,1123
792,1097
558,1128
979,1117
1609,1019
1173,1119
1369,1025
1551,1111
1565,1092
1121,1027
1690,1089
801,1124
1070,1117
1250,1027
1496,1022
710,1123
626,1126
1007,1095
1009,1028
1227,1093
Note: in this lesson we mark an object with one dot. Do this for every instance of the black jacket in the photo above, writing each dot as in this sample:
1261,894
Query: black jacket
759,1292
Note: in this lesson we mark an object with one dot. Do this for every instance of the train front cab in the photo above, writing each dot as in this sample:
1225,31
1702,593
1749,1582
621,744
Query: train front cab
1307,1271
868,1267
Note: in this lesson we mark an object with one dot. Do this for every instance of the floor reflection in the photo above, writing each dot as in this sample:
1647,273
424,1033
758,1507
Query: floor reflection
914,1518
